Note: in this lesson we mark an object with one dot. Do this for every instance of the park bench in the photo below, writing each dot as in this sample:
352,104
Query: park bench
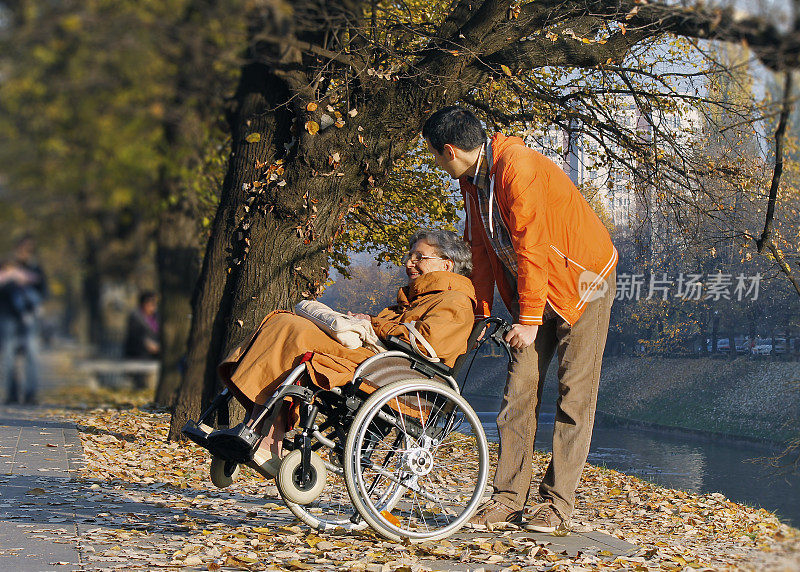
118,372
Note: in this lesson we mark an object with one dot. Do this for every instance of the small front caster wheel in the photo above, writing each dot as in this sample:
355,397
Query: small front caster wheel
289,480
223,473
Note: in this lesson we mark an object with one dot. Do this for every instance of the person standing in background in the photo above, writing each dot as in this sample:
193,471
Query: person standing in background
142,338
23,288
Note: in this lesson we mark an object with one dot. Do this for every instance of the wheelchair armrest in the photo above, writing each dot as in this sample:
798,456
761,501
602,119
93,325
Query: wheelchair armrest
395,343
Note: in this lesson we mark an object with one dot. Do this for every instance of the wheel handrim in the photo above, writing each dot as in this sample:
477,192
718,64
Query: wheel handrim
433,452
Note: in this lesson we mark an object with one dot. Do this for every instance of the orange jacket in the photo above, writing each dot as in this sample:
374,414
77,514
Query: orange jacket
564,252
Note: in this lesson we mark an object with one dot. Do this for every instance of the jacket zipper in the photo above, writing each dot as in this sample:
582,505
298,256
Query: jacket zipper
567,259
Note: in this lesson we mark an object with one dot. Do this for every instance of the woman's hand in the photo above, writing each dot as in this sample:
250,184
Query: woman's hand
359,316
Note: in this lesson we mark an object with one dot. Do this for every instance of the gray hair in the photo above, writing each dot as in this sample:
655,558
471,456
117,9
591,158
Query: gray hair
449,245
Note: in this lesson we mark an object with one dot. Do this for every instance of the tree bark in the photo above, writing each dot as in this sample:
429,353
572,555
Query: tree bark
178,259
213,298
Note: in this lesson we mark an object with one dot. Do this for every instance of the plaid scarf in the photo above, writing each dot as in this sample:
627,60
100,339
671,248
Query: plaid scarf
493,223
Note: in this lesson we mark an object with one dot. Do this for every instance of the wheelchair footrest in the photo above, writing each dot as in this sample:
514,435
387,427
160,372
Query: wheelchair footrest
235,444
196,432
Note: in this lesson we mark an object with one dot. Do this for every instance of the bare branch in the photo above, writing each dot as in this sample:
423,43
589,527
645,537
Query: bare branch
765,241
304,47
784,266
780,131
776,50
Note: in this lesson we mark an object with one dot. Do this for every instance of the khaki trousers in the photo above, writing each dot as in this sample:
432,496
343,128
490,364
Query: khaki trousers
580,355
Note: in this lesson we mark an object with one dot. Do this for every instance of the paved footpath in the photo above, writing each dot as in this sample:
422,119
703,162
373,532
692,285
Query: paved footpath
39,460
50,520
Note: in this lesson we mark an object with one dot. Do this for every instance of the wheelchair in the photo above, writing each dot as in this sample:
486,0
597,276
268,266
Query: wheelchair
397,449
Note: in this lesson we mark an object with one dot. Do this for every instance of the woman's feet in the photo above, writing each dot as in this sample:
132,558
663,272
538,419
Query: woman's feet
267,458
265,463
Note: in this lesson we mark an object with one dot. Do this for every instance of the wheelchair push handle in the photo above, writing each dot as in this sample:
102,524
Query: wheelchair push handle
498,328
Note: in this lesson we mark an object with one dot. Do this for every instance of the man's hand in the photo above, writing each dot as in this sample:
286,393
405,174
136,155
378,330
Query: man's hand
521,336
152,347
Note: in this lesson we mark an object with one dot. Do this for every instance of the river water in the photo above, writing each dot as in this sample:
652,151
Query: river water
684,461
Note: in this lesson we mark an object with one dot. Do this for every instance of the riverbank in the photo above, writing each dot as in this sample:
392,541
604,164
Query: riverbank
768,446
756,401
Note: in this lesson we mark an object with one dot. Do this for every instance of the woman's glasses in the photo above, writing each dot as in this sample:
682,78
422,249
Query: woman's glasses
416,257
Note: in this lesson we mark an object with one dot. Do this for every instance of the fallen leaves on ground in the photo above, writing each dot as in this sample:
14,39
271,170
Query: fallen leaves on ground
160,511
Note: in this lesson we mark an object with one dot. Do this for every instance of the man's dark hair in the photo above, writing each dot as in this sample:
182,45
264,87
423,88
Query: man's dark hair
454,126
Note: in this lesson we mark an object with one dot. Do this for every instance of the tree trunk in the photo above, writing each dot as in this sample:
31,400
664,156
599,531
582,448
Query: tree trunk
178,261
92,292
213,300
286,207
704,339
189,126
732,344
714,333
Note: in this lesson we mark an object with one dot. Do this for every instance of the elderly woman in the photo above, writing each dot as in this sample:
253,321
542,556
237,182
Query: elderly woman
438,300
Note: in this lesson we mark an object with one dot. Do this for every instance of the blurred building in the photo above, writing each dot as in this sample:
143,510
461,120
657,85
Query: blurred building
604,170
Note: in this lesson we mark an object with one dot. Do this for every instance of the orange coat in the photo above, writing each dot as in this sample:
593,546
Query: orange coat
556,236
440,304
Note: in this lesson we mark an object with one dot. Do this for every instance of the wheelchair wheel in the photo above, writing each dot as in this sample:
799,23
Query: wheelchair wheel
223,472
332,509
288,479
422,439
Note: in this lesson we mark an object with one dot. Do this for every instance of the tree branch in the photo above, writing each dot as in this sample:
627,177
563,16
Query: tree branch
563,50
640,21
784,266
306,47
765,241
786,108
776,50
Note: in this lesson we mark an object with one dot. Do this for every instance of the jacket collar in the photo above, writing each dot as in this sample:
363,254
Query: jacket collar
499,144
481,178
438,281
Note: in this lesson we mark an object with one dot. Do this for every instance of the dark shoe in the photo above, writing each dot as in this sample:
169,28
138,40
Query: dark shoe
544,518
494,512
197,432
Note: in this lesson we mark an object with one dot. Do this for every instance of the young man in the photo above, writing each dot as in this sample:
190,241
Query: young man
537,239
